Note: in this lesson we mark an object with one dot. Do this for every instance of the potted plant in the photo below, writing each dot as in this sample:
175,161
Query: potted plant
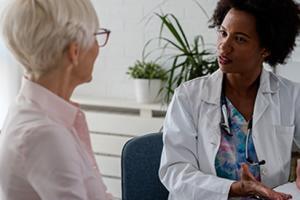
148,77
187,60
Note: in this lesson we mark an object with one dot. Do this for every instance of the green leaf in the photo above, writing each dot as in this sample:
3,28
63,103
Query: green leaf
184,60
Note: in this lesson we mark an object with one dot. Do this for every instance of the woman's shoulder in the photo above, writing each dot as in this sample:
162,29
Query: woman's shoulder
31,130
27,122
31,137
27,116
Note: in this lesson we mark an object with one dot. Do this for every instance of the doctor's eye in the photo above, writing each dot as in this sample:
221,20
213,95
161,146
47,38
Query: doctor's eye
240,39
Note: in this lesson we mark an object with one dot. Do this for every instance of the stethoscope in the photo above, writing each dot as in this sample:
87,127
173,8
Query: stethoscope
226,124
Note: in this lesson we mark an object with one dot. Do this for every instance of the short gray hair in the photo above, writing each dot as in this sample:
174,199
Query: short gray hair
38,31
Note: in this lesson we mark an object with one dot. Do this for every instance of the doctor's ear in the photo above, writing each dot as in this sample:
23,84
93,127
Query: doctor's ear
72,52
265,53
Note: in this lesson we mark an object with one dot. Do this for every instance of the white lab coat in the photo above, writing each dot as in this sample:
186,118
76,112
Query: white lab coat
192,135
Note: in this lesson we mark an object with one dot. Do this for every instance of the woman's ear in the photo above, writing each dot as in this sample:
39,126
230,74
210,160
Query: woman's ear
73,53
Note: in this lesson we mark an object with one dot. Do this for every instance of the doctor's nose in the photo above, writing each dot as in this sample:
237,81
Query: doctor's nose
224,46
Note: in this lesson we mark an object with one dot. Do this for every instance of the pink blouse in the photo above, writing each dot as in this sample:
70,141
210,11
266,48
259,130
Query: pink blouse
45,150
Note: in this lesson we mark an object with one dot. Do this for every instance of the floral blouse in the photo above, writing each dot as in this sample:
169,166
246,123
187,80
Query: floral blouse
232,150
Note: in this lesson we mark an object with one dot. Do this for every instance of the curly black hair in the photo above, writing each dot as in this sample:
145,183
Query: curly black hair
277,24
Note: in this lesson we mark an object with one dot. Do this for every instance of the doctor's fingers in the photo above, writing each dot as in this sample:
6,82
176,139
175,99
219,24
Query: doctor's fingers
265,192
249,181
280,196
298,174
246,174
285,196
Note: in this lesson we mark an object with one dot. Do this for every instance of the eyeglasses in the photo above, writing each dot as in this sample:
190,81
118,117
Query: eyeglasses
102,36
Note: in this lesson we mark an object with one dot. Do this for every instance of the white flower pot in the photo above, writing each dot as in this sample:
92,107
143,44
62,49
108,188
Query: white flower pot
146,90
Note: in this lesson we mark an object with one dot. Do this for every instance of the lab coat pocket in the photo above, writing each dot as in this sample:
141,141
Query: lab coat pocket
284,135
284,139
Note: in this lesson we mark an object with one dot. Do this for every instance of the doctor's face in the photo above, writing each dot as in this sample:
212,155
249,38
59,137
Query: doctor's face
238,45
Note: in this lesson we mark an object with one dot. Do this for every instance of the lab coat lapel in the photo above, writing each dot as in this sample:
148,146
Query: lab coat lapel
211,93
211,96
261,104
213,134
213,124
211,116
268,86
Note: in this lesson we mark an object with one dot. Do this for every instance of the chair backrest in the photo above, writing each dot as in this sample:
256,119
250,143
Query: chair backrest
140,163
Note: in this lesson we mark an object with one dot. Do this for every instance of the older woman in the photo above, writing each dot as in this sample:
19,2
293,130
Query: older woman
230,134
45,150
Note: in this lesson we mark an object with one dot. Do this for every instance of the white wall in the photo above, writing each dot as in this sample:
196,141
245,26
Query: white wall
292,69
9,81
128,21
9,76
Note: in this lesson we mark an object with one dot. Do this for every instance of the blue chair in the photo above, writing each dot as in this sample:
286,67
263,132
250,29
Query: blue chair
140,163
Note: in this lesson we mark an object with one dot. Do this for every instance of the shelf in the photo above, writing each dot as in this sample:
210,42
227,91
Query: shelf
144,110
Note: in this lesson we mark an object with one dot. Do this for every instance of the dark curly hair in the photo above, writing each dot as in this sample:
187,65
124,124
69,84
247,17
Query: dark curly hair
277,24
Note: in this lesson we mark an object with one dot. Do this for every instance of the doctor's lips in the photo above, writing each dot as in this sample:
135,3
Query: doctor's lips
223,60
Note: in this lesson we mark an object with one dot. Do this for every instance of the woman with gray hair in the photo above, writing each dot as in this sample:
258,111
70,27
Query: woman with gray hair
45,148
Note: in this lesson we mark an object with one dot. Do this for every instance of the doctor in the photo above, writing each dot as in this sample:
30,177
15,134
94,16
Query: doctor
230,134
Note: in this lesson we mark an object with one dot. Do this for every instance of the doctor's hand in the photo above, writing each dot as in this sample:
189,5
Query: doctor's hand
298,174
249,186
